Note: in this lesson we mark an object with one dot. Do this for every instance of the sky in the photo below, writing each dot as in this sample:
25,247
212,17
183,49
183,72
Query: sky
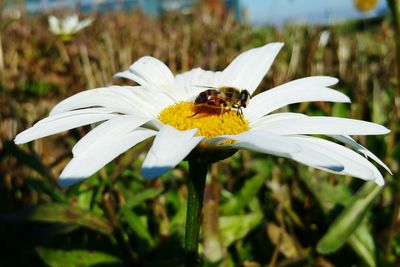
277,12
313,11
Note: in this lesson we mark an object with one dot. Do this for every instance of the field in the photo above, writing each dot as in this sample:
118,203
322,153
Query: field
259,210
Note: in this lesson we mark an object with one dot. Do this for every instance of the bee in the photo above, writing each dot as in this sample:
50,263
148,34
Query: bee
224,98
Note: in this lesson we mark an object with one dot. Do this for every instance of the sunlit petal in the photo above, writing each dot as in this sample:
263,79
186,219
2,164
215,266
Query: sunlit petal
153,75
259,141
81,167
322,125
62,122
301,90
112,129
121,99
361,149
282,146
194,81
169,148
248,69
275,117
354,164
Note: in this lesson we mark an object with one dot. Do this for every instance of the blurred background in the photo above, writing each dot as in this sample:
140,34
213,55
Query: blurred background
259,210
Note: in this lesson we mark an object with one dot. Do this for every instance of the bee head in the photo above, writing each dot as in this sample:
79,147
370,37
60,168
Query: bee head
244,98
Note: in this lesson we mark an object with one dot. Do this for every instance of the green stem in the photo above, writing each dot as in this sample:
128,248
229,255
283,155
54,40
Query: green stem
196,183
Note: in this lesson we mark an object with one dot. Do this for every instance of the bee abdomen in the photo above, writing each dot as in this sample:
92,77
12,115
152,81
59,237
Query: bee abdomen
206,96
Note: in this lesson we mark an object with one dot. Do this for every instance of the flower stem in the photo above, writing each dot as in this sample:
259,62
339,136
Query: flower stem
197,179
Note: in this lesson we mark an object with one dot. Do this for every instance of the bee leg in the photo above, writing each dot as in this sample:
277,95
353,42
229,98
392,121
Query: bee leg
240,111
200,110
237,109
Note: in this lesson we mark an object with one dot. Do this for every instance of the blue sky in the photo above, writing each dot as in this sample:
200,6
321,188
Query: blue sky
312,11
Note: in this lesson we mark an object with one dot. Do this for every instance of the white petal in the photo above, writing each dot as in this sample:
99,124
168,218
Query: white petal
354,164
54,24
169,148
121,99
314,152
301,90
108,97
248,69
111,129
193,81
84,23
368,154
69,23
274,118
282,146
322,125
260,141
81,167
126,74
61,122
152,74
73,113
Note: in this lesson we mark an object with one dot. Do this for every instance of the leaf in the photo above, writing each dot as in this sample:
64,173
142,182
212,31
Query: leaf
350,218
61,213
328,196
47,187
141,197
232,231
136,225
280,193
279,237
77,258
84,197
243,198
177,223
31,160
361,241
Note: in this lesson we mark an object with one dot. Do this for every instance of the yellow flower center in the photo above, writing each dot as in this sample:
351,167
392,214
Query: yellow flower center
209,120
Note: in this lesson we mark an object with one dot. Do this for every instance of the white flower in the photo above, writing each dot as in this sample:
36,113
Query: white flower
324,38
131,114
70,25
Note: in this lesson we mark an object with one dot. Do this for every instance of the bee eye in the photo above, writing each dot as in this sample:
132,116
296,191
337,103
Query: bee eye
244,98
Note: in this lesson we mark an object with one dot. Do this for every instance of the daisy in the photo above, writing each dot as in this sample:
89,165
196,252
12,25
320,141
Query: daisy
68,26
162,106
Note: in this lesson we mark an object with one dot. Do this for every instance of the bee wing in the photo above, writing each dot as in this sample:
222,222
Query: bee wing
205,86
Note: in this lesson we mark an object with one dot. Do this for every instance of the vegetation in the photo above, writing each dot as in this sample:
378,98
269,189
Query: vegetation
258,210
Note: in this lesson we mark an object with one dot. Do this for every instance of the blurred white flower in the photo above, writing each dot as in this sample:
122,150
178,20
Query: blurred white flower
324,38
162,106
68,26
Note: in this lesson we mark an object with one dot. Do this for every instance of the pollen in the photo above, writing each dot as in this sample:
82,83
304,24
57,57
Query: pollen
209,122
